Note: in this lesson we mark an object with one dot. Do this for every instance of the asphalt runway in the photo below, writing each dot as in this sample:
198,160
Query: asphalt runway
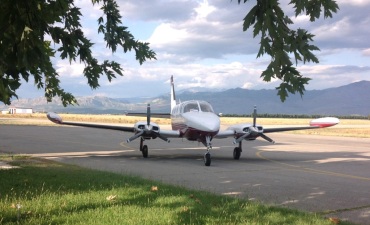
329,175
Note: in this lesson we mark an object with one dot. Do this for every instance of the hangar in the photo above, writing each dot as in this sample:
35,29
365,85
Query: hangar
16,110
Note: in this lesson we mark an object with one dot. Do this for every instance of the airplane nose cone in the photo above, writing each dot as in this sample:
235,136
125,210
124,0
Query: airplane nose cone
203,121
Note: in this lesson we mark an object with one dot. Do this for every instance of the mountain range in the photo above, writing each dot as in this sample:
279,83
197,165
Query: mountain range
351,99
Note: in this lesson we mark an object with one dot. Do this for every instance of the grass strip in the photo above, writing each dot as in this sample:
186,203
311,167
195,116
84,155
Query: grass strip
45,192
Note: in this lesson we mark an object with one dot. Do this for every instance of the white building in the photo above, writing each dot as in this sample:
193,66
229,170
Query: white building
14,110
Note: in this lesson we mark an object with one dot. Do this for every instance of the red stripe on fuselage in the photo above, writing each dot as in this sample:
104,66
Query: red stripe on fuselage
197,135
192,134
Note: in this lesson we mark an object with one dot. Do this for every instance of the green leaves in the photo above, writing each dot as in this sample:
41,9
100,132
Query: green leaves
281,43
314,8
7,87
25,53
250,19
116,35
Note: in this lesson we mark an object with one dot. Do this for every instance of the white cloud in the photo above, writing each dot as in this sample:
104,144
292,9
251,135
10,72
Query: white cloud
334,30
366,52
65,69
202,44
353,2
203,10
326,76
247,85
166,34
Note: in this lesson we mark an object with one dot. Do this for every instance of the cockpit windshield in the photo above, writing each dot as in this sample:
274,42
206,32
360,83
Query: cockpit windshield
191,107
197,106
205,107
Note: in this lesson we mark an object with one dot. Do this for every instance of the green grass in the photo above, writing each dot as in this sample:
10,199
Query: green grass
53,193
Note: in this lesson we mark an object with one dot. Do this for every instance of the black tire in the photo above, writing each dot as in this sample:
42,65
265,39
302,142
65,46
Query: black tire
207,159
236,153
145,151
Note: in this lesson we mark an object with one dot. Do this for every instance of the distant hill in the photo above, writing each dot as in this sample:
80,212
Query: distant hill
351,99
90,105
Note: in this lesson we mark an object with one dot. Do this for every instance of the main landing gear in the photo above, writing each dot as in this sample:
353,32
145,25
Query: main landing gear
143,148
237,151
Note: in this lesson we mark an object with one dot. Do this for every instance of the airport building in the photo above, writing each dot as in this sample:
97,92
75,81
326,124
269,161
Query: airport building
16,110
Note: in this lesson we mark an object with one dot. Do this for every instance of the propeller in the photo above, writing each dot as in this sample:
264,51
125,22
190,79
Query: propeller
267,138
254,116
148,115
135,136
147,131
253,131
241,138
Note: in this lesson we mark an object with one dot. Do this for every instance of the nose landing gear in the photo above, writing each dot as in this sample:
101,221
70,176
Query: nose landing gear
143,148
207,156
207,159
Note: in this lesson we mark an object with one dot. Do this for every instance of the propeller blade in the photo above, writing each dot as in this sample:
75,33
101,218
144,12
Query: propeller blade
148,115
163,138
254,116
135,136
241,138
267,138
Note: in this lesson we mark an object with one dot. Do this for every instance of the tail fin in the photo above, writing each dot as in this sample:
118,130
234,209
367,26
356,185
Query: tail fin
173,97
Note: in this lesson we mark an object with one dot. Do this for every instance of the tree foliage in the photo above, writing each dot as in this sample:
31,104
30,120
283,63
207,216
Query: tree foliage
33,32
281,42
30,29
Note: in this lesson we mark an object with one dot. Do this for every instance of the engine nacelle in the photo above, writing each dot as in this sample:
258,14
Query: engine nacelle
243,128
148,130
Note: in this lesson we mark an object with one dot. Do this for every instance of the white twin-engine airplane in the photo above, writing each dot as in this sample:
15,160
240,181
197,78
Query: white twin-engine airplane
195,120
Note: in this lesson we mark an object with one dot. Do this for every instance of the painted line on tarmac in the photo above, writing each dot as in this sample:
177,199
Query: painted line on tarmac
123,144
310,170
78,154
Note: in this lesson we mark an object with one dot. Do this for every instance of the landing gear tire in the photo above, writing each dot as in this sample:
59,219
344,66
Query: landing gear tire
207,159
144,150
236,153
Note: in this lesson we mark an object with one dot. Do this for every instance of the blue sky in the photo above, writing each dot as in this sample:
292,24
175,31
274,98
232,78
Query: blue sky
201,43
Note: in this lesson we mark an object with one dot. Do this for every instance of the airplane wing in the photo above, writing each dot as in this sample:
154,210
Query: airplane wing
170,133
58,120
144,129
101,126
314,124
252,131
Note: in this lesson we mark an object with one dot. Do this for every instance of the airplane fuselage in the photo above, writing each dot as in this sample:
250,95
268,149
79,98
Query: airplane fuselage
195,120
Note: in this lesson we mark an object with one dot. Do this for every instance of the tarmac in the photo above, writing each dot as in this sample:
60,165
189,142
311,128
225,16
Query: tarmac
326,175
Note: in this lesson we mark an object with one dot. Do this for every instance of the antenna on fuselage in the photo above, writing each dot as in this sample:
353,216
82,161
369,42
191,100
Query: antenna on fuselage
173,96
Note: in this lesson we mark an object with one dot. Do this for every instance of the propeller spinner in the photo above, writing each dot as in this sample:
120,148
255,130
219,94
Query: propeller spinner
147,130
253,131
